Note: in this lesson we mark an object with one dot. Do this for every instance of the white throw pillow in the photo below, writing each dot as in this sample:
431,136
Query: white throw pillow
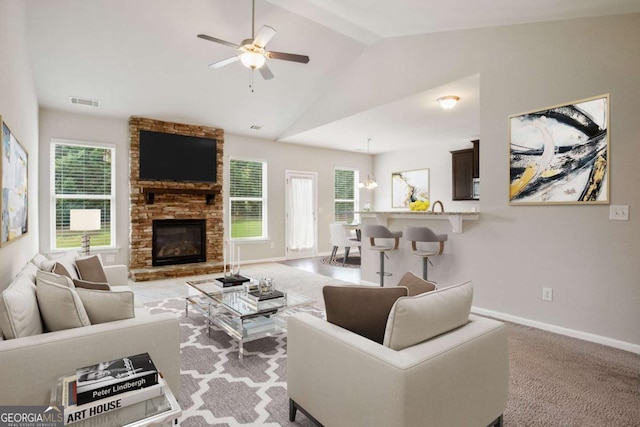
416,319
42,262
107,306
19,314
60,306
53,278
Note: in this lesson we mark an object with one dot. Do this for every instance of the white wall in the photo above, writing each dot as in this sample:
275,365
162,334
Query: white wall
281,157
512,252
19,110
86,128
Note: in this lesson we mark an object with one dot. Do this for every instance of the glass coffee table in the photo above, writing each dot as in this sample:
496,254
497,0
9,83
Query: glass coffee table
233,311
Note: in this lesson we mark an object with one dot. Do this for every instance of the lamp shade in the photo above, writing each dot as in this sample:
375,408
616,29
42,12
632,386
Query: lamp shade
84,219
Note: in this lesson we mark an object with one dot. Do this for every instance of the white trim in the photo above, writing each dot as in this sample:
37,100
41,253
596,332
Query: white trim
585,336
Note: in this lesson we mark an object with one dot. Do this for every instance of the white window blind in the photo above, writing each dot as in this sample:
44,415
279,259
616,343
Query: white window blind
247,199
346,194
83,178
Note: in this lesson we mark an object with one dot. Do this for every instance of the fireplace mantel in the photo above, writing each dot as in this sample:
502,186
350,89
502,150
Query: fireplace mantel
209,193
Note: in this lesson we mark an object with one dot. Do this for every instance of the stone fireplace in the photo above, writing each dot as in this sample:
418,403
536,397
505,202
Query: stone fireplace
154,202
178,241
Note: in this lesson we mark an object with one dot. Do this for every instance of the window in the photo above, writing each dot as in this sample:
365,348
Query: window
248,199
346,195
82,178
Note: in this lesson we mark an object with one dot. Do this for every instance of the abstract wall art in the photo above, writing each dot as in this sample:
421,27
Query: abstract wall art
409,186
560,154
13,205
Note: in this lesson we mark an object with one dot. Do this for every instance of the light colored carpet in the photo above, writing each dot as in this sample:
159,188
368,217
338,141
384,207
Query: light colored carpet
555,380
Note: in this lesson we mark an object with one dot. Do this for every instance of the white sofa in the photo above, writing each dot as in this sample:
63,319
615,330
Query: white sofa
30,364
456,378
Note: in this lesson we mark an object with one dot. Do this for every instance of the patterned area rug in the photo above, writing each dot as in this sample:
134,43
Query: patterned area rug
217,390
352,262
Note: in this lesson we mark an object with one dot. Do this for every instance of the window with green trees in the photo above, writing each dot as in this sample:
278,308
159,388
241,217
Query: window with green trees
248,199
346,194
83,178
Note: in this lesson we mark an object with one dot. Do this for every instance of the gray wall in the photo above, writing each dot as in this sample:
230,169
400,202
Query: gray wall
19,110
512,252
279,157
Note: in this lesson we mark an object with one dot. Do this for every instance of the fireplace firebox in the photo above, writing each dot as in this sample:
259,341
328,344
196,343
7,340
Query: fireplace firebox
178,241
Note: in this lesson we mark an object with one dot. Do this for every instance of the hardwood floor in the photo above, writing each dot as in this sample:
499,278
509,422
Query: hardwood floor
315,265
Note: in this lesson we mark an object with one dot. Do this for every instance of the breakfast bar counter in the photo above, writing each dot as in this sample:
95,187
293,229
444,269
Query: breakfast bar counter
455,218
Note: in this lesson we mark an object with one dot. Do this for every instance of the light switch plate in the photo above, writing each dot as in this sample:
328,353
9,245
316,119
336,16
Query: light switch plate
619,212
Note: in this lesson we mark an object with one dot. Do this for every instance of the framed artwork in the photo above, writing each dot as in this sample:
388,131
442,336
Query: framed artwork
560,154
409,186
13,205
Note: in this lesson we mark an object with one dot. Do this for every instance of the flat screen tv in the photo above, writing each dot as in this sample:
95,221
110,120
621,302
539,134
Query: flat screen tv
170,157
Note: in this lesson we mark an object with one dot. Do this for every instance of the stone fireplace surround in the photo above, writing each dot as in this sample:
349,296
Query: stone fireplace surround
171,200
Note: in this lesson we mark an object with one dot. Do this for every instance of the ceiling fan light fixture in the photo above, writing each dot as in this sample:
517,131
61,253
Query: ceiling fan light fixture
448,102
252,60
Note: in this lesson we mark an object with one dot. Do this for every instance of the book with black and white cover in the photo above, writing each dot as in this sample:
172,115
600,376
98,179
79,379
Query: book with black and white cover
114,377
74,413
265,296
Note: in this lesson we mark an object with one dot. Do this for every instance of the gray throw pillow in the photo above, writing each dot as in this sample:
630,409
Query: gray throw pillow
90,269
84,284
53,278
361,309
416,285
60,307
102,306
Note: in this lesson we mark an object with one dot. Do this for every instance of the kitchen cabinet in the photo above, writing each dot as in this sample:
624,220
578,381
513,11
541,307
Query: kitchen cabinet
465,167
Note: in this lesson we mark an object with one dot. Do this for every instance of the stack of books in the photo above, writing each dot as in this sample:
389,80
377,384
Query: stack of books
265,300
108,386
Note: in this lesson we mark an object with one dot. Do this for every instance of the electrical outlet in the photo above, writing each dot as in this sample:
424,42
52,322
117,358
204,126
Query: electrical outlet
547,294
619,212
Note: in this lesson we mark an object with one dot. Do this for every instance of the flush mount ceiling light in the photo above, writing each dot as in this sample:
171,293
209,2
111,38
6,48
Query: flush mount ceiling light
371,182
448,102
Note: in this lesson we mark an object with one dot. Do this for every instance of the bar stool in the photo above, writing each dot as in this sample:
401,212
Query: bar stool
424,234
381,232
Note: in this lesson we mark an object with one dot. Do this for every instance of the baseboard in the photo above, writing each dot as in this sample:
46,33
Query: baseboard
598,339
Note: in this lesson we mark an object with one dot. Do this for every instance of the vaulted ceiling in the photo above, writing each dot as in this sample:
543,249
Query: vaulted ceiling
143,58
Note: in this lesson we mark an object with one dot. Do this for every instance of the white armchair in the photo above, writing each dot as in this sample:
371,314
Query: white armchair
456,378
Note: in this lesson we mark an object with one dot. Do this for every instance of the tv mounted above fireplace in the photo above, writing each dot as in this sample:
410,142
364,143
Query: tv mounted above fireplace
180,158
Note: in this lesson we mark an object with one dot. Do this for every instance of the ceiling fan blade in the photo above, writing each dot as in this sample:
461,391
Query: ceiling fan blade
215,40
266,72
224,62
288,57
264,35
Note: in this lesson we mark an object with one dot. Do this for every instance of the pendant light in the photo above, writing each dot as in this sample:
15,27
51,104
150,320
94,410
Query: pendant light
371,182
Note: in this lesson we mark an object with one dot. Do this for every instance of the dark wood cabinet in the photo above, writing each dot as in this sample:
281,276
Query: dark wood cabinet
465,166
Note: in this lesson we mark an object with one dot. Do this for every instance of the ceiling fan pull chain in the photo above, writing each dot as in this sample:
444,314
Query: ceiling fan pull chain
251,81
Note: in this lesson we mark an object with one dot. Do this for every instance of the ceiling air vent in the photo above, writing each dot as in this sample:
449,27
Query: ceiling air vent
85,101
255,127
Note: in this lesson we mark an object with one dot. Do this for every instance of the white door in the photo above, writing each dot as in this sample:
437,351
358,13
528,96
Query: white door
300,213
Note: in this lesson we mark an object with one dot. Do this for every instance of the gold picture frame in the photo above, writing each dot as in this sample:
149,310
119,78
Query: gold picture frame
560,154
14,221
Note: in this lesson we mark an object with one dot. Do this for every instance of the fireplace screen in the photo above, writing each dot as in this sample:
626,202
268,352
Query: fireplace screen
178,241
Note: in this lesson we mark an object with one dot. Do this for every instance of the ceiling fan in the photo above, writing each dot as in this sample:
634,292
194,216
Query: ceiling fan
252,51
